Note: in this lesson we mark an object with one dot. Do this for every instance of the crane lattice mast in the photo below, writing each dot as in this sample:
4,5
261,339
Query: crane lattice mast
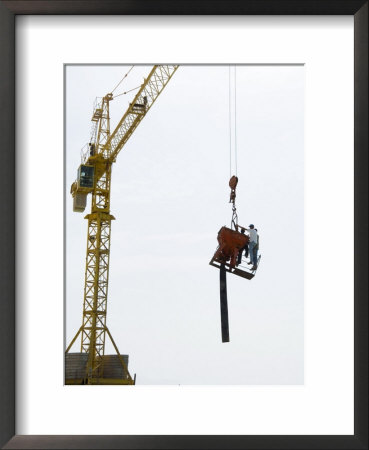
94,176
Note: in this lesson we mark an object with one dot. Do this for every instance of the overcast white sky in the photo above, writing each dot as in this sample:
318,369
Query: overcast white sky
170,197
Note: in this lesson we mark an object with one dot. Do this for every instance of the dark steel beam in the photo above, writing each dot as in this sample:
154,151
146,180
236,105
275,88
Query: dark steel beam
224,303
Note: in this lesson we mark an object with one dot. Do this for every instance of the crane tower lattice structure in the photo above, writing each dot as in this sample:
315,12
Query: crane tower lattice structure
94,177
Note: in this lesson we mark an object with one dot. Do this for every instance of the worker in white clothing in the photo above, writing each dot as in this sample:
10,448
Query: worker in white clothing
252,244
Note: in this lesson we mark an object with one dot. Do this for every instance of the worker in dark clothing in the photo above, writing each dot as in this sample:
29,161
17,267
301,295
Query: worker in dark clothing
92,149
244,248
256,248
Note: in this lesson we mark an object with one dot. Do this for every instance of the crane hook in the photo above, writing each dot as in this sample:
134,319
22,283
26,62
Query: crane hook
233,184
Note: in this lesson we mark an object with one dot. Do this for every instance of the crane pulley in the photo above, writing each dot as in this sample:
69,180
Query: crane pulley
232,199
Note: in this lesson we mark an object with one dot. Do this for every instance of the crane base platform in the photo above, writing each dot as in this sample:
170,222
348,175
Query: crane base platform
75,370
99,381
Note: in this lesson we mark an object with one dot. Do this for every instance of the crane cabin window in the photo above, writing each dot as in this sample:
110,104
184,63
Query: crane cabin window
85,176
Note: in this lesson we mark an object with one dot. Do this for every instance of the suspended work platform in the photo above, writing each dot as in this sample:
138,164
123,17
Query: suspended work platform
241,270
231,243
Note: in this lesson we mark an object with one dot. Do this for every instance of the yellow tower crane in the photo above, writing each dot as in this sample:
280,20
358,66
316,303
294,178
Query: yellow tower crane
91,365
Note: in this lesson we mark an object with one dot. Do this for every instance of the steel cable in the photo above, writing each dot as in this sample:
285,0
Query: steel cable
122,79
126,92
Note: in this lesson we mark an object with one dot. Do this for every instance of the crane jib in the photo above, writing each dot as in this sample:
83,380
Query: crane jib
149,91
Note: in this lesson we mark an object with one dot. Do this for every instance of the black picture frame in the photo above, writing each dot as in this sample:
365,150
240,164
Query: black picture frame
8,12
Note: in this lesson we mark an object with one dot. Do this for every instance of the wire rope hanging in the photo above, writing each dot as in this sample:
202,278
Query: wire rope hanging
235,118
125,76
232,111
233,131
